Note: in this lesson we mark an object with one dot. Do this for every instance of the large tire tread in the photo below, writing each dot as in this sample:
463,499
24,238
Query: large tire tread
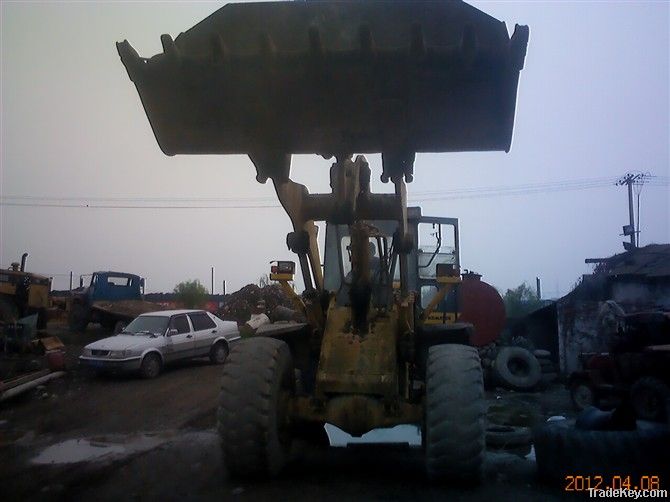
562,450
254,372
455,414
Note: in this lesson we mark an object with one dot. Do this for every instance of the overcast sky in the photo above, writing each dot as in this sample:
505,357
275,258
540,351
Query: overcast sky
593,103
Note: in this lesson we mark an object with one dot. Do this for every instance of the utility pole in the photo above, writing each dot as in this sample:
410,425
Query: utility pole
629,180
212,280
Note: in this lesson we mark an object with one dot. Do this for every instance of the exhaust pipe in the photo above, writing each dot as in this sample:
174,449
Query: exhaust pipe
23,262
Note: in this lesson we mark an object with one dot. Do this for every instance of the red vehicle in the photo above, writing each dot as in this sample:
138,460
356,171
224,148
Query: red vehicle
637,369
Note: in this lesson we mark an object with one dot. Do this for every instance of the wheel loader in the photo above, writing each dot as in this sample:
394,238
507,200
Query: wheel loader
341,79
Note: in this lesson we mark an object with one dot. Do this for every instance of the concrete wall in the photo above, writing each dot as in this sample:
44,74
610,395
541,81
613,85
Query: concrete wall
578,332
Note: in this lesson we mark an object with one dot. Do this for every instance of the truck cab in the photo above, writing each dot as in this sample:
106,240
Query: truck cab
109,298
114,286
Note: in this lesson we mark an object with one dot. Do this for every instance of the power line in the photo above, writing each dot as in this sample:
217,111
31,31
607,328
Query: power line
270,202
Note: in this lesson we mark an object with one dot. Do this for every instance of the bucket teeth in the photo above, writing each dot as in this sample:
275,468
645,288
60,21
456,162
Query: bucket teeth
518,46
129,57
169,48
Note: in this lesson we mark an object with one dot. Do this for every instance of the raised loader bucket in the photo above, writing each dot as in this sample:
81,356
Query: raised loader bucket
331,77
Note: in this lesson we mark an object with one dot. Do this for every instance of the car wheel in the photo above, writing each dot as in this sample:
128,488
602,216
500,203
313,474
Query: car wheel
151,366
218,353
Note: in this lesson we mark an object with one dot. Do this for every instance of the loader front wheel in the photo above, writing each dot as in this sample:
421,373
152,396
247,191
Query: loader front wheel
256,389
454,428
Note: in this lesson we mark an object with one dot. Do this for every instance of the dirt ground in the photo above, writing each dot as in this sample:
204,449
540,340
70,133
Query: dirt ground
84,437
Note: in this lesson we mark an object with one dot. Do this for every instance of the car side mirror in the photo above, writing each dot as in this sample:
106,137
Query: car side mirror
172,332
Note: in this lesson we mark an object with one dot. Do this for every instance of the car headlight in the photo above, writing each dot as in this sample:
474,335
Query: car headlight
87,352
117,354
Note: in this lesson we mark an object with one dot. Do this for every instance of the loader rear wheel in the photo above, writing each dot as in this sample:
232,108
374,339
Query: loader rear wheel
454,426
258,383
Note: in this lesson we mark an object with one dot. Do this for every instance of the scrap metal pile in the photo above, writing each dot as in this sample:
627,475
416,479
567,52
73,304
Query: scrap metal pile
252,299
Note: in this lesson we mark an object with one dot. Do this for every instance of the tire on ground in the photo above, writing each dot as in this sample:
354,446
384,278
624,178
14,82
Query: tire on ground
561,450
517,368
650,398
454,429
258,381
507,436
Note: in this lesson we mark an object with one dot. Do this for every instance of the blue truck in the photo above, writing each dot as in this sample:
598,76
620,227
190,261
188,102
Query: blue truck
111,299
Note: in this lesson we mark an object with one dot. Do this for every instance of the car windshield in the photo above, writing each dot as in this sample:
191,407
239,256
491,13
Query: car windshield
147,325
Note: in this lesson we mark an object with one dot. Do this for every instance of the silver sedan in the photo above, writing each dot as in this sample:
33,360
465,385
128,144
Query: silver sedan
157,338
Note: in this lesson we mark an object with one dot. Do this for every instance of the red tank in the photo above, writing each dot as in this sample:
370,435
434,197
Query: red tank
481,305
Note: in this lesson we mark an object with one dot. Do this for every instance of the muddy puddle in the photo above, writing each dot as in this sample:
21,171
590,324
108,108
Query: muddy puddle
78,450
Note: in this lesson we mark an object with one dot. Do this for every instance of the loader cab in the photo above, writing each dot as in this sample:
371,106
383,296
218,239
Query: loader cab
382,262
436,244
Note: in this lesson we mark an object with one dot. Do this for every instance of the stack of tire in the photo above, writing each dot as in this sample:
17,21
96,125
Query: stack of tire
565,449
508,437
548,367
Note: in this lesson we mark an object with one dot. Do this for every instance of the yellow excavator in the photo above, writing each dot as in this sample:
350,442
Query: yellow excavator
339,78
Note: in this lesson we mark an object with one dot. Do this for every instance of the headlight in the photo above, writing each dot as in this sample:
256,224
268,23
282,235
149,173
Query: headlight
87,352
117,354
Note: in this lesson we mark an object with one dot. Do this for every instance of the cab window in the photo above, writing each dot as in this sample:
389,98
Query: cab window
201,321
